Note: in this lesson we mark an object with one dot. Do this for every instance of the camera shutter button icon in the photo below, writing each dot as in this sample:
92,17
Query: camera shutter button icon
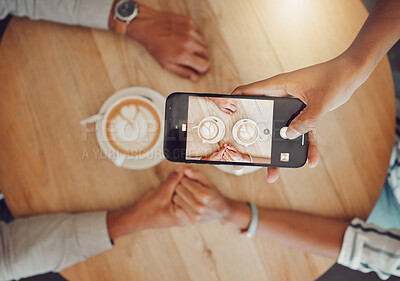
282,132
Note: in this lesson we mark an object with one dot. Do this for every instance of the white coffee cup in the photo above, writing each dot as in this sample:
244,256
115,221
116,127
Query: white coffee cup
135,127
245,132
211,129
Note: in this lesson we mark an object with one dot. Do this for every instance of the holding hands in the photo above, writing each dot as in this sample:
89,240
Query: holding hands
196,200
186,197
227,153
231,154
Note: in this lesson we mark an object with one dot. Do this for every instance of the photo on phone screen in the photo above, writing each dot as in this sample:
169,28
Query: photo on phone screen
207,128
244,126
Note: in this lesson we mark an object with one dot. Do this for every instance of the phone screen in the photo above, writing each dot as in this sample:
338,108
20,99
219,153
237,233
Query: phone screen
229,129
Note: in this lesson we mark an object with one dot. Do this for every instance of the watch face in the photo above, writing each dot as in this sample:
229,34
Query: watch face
126,9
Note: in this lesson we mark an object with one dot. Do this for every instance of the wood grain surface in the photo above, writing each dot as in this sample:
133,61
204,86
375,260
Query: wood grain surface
52,76
260,111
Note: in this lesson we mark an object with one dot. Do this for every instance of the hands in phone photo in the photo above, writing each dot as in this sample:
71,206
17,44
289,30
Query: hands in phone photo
227,153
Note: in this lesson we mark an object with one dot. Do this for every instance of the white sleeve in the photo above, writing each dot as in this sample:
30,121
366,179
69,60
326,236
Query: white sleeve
39,244
89,13
367,247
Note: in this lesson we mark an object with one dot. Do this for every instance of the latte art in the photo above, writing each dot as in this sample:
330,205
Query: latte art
133,127
247,132
209,130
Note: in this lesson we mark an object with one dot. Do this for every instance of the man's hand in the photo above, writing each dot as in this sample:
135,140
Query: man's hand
197,200
226,105
175,41
153,210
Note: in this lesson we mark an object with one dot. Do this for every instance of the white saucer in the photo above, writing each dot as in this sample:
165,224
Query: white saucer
159,101
245,170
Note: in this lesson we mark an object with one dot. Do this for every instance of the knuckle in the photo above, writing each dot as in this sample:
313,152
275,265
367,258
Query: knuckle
164,64
187,40
181,53
197,216
204,198
200,209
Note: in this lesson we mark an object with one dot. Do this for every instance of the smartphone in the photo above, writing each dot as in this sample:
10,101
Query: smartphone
216,129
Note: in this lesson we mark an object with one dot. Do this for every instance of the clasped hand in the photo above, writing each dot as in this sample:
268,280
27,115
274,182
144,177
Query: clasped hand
186,197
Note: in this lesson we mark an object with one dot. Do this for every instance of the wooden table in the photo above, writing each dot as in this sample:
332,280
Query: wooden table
52,76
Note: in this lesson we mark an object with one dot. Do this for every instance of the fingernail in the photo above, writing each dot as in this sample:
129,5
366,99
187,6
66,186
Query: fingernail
312,165
292,133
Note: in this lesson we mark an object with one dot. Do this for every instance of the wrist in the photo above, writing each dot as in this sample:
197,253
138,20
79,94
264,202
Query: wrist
238,215
354,65
138,28
246,157
111,20
118,23
123,222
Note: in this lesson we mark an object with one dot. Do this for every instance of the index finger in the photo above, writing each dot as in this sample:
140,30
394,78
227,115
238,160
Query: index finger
274,87
172,181
221,151
197,176
195,188
198,37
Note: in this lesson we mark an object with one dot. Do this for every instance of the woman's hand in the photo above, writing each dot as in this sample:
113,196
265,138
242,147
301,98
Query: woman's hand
322,87
197,200
226,105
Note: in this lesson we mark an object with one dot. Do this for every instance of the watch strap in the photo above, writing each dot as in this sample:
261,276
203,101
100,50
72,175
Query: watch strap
120,26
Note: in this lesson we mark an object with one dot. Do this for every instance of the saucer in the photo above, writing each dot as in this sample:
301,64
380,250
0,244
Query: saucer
159,101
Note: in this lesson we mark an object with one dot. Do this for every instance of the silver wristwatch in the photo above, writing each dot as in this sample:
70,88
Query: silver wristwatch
126,10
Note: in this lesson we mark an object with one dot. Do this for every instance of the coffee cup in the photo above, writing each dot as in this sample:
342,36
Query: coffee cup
211,129
245,132
130,128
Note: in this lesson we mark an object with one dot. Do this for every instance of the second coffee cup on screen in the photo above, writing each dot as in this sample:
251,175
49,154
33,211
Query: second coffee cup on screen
245,132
